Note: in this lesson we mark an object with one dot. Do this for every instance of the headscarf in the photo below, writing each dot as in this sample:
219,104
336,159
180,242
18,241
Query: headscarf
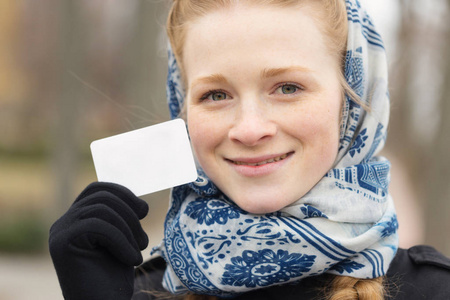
345,225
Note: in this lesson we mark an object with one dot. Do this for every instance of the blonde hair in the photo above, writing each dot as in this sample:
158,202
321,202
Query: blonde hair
185,11
340,288
332,15
349,288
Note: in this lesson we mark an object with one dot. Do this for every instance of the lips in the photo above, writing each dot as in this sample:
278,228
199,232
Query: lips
259,166
259,163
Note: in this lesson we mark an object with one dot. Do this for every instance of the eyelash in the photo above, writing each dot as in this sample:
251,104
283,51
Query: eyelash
211,92
298,87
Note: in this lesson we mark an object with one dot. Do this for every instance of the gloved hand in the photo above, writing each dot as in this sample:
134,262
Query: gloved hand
97,242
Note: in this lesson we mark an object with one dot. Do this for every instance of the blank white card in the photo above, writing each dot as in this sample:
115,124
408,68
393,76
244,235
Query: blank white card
146,160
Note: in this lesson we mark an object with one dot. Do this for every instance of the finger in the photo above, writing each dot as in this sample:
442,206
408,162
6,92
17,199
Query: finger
110,208
139,206
102,212
89,243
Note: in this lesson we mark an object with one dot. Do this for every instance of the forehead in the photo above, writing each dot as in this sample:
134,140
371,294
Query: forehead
254,34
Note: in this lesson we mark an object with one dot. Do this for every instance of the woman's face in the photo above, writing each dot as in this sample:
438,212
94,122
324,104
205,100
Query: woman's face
263,103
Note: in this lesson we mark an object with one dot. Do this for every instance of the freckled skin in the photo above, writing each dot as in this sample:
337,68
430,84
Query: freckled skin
247,53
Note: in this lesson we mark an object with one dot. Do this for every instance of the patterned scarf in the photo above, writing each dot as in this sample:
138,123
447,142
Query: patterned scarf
345,225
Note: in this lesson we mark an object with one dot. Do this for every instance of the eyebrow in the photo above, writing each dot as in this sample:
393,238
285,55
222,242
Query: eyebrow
267,73
214,78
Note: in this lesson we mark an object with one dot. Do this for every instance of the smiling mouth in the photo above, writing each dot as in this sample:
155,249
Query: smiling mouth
267,161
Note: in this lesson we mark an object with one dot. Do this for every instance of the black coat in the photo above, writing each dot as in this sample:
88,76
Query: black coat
417,273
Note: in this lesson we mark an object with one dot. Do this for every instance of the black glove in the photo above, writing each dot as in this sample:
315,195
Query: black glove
97,242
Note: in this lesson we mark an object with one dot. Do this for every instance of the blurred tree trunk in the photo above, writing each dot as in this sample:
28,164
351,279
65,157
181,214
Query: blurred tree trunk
401,137
16,132
438,179
147,69
402,142
12,80
70,58
428,164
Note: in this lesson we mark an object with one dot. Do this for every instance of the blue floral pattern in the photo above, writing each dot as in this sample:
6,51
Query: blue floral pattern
203,186
311,212
174,88
389,227
359,143
208,211
266,267
354,71
347,266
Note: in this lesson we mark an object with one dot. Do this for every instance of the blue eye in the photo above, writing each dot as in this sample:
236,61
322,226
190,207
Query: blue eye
287,89
214,96
217,96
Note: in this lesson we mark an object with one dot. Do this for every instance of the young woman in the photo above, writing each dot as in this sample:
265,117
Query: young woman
287,105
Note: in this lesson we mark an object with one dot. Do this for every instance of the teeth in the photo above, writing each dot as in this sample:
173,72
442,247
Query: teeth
262,162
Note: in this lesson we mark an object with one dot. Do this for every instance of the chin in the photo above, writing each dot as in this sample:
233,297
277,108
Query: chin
260,205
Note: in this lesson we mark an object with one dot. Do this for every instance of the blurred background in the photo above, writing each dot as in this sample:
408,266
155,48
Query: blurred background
75,71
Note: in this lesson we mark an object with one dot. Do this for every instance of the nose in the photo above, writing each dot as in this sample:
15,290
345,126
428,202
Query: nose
252,125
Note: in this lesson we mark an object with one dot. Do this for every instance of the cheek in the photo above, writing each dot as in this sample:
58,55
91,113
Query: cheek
327,140
204,133
317,129
195,129
315,126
